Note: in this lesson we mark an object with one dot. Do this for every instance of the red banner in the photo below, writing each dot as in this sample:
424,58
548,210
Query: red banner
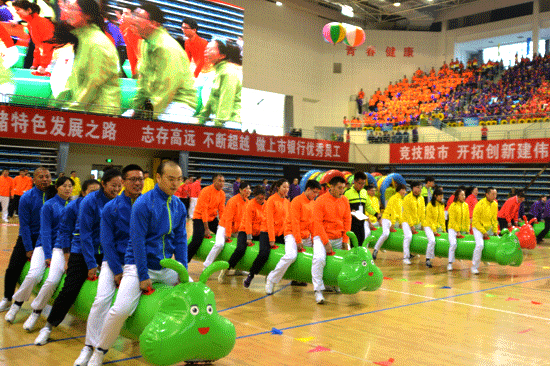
47,125
472,152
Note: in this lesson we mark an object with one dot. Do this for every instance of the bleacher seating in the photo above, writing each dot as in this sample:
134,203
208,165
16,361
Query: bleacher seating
15,157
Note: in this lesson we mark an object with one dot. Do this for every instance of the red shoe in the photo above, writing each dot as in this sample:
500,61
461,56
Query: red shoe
392,230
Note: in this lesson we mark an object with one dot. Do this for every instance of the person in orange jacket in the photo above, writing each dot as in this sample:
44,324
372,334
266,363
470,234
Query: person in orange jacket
331,221
297,228
272,227
508,213
210,205
21,184
230,221
6,192
249,229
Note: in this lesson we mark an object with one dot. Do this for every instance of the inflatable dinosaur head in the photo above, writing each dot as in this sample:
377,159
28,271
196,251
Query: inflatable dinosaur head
187,326
358,271
509,251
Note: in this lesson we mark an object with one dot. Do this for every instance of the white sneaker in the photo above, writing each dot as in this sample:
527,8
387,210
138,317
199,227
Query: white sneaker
10,315
474,271
97,358
5,305
269,287
406,261
43,336
449,267
84,357
31,321
221,277
319,299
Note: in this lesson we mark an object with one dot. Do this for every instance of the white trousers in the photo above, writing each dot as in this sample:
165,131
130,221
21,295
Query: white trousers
219,244
177,112
4,201
291,252
452,245
480,244
430,250
367,228
319,261
57,268
127,301
106,288
386,224
38,266
192,205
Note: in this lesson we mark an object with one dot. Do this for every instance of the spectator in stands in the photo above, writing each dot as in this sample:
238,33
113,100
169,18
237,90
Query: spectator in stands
415,135
76,187
93,85
484,224
484,132
537,209
40,30
427,190
294,189
170,89
346,122
405,136
508,213
6,193
224,101
21,184
194,45
236,186
359,101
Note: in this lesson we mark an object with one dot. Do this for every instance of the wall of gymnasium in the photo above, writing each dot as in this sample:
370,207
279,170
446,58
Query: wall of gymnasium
285,53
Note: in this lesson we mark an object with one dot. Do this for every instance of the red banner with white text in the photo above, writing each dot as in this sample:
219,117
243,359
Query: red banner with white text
472,152
48,125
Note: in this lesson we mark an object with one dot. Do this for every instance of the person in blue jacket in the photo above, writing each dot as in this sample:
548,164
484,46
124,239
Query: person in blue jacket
157,231
114,233
29,227
60,253
86,253
42,255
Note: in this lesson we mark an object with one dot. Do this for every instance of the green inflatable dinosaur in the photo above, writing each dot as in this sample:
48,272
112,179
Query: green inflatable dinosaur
504,250
351,270
173,324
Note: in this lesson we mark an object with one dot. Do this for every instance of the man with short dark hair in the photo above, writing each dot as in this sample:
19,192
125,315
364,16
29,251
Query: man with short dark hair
359,205
484,224
414,213
428,189
194,44
157,231
165,79
508,213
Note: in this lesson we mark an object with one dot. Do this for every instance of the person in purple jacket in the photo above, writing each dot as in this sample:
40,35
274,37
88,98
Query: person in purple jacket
546,217
236,186
294,189
157,231
537,209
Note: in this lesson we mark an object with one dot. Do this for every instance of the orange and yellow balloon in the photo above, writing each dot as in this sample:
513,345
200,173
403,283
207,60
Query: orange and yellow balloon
355,36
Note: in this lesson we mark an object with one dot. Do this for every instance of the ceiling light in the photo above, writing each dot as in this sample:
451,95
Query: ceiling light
347,11
278,3
396,4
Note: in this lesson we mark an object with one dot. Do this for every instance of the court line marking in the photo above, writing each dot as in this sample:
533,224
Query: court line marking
251,301
471,305
32,344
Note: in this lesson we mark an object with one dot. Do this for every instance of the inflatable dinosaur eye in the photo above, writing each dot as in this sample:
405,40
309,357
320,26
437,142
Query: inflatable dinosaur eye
364,263
194,310
209,309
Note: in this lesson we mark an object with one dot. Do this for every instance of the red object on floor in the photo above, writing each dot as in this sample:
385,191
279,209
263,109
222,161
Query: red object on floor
319,349
385,363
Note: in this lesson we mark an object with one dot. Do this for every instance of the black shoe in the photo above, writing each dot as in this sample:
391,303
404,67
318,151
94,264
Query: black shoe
411,256
428,263
248,280
298,283
374,254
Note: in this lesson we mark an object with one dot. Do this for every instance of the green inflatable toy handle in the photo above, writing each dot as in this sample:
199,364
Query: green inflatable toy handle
176,266
214,267
352,239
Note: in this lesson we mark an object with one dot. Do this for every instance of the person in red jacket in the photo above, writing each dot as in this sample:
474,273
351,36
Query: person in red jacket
194,45
508,213
131,38
272,228
40,29
331,221
194,191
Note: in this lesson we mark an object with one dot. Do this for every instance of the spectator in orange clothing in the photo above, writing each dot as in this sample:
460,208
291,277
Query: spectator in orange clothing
331,221
359,100
508,213
40,29
297,228
194,45
194,191
183,192
346,122
249,229
230,222
6,192
21,184
131,38
210,205
272,227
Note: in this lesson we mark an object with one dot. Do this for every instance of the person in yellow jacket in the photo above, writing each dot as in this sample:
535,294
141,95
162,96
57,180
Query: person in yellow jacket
434,222
391,215
148,183
374,202
77,187
459,223
414,211
484,224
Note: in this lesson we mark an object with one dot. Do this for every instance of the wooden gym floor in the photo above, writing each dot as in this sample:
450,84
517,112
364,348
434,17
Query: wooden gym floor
419,316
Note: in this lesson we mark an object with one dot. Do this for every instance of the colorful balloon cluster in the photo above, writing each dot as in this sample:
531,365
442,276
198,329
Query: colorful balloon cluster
337,32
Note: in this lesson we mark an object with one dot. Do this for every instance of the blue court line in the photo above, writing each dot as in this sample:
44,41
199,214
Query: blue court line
251,301
32,344
123,359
